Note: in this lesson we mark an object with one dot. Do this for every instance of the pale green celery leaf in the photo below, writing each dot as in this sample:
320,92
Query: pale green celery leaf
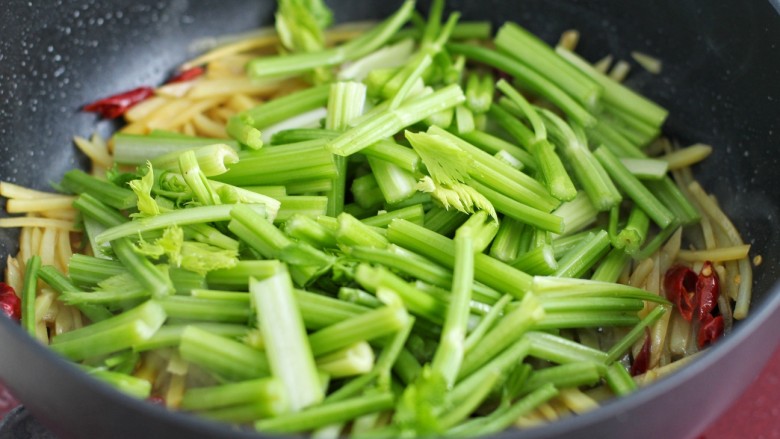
169,244
202,258
142,187
446,163
459,196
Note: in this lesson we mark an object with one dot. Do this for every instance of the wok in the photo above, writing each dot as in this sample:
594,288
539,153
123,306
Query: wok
721,61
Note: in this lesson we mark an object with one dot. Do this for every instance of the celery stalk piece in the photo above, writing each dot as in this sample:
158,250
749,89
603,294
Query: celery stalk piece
205,310
620,145
61,284
525,47
169,336
157,282
307,229
577,213
309,205
553,173
192,215
504,361
99,212
561,350
128,384
362,327
114,334
345,103
520,211
528,78
262,236
88,271
479,92
319,311
384,124
28,293
414,214
354,49
226,358
586,319
466,407
263,390
487,270
277,110
390,56
356,359
395,183
507,331
634,188
282,165
638,331
611,267
581,258
619,380
289,353
501,177
196,180
673,198
646,169
414,265
539,260
136,149
359,297
564,287
415,300
449,355
327,414
443,221
79,182
565,375
241,128
634,233
237,277
503,418
506,245
588,171
351,232
617,95
389,151
492,145
212,159
380,373
366,192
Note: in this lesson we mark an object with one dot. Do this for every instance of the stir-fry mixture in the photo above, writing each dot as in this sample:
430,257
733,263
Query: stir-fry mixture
410,227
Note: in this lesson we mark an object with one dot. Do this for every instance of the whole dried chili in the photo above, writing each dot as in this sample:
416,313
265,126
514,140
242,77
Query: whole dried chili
707,291
187,75
116,105
710,330
680,286
10,304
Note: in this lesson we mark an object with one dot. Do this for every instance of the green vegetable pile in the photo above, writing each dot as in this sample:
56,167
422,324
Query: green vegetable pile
414,265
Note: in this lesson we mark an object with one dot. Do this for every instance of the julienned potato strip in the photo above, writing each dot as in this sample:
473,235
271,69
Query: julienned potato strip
371,255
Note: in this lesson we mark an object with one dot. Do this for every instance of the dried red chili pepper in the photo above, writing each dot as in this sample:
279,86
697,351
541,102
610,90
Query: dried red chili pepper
10,304
710,330
187,75
642,360
707,291
116,105
680,286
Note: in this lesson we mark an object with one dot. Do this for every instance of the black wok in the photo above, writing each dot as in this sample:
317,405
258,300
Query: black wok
720,82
